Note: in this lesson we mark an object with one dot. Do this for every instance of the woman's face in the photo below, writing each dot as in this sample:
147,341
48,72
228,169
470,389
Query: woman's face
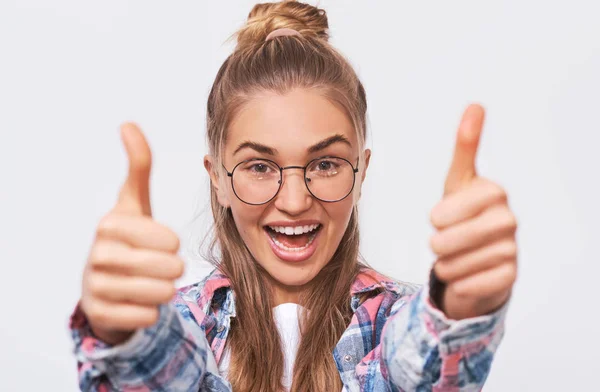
294,235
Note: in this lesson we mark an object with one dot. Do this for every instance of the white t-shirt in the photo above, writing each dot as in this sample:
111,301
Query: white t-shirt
286,318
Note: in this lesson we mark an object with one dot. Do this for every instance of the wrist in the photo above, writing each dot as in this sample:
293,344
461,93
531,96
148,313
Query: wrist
436,290
110,337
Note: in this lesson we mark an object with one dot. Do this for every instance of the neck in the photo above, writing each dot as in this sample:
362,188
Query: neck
285,294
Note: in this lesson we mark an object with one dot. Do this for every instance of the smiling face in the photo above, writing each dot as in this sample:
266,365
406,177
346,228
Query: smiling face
294,235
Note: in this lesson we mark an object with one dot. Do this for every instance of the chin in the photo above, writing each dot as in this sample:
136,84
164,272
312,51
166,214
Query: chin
292,275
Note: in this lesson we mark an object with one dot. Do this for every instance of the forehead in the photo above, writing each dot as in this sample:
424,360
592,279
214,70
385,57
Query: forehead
290,123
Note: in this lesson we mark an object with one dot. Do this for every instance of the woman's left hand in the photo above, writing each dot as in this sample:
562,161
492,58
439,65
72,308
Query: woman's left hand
475,239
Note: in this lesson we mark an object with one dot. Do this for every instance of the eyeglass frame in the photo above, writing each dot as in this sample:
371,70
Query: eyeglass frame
281,169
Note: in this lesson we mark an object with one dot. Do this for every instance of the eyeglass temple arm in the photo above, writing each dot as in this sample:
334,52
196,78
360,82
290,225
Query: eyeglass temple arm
227,171
356,168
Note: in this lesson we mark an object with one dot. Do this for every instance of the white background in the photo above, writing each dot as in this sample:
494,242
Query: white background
71,71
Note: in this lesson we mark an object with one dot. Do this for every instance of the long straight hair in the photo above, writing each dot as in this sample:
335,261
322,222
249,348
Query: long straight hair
280,65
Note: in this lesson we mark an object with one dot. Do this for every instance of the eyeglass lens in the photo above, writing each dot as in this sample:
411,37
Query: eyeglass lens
258,181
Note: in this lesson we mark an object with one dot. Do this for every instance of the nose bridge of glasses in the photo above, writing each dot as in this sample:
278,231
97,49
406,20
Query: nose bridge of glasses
301,173
293,167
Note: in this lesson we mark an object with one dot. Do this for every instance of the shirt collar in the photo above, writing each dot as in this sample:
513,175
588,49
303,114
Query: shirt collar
370,280
367,280
215,281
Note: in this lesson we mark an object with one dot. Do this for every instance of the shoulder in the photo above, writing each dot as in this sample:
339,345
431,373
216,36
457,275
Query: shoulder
369,280
198,299
379,294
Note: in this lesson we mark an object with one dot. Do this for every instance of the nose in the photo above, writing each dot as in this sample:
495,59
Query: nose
293,197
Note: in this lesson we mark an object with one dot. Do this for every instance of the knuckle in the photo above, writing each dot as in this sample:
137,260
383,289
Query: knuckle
509,249
499,192
154,316
510,220
442,272
149,317
174,242
512,273
494,189
96,313
107,225
170,239
167,292
95,285
435,244
460,290
99,255
503,218
434,216
178,267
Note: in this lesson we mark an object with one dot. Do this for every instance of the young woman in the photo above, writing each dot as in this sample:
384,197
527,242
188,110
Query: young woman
289,305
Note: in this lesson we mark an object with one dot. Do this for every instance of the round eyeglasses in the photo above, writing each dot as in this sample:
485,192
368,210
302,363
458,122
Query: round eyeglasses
257,181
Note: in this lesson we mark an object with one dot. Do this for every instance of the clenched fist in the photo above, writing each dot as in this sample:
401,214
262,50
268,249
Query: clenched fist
475,240
133,262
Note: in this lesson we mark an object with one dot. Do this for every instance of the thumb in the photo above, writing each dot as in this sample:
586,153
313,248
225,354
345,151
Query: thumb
462,169
134,197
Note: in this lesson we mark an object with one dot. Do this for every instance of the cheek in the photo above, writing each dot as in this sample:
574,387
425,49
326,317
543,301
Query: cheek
339,214
246,219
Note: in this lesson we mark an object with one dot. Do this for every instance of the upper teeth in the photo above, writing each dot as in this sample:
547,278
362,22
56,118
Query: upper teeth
289,230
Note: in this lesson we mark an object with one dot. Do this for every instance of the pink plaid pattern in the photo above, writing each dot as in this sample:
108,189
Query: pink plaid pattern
396,341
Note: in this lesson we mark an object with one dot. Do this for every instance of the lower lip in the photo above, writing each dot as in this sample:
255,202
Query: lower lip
294,256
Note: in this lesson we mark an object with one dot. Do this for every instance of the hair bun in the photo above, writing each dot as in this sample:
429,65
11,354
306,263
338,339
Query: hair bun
264,18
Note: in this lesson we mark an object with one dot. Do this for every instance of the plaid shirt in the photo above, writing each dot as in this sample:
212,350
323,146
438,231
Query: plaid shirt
396,341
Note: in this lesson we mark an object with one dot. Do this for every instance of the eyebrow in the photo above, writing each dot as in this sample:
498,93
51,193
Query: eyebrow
323,144
264,149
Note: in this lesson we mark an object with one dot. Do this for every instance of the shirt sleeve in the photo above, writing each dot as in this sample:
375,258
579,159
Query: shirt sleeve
172,355
423,350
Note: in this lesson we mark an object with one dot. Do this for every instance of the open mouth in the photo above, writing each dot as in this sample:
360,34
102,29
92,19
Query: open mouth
295,243
293,239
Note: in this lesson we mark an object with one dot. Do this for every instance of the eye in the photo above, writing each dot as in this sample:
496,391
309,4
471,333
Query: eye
259,168
324,165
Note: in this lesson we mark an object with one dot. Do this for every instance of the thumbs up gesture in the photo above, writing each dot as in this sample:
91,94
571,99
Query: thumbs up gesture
133,261
475,232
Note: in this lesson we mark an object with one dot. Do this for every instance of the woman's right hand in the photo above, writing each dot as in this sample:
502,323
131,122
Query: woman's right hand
133,262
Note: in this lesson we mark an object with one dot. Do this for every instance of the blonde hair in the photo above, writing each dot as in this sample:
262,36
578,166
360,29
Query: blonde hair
278,65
